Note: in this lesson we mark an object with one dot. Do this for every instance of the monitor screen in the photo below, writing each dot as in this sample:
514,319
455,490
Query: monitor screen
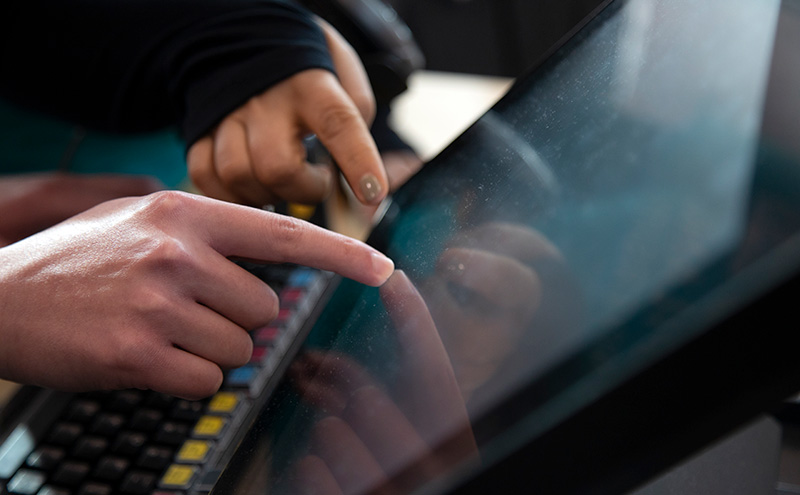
556,247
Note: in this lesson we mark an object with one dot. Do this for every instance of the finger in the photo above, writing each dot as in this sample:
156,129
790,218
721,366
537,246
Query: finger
329,113
279,161
181,374
233,292
234,164
206,334
326,380
310,476
432,396
200,164
384,429
349,460
240,231
352,75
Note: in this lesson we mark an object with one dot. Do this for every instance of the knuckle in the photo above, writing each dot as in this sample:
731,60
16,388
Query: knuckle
166,205
169,256
286,230
280,170
336,119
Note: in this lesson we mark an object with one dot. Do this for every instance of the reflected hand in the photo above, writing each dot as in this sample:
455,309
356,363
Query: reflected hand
256,155
140,292
371,438
487,291
33,202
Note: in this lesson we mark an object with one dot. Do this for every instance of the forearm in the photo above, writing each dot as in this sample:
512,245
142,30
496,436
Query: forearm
132,65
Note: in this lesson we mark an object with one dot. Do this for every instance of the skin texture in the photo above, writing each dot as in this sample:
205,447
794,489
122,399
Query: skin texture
33,202
141,292
256,155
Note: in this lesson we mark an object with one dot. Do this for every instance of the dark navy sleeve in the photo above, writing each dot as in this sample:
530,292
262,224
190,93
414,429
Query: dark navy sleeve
139,65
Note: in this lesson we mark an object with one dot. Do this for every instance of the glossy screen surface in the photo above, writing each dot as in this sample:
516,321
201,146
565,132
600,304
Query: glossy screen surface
607,194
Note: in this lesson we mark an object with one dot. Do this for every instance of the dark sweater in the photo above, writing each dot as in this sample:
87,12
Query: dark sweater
138,65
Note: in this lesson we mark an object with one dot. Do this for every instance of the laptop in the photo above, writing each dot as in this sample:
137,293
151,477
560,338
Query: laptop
596,280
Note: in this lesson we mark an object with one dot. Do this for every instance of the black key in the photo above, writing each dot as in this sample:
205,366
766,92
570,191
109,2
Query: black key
107,424
129,443
146,420
157,400
94,489
125,400
90,448
188,410
156,458
172,433
65,434
138,483
111,468
53,490
82,411
45,458
70,474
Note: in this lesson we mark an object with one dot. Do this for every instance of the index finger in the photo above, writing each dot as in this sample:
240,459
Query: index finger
245,232
329,113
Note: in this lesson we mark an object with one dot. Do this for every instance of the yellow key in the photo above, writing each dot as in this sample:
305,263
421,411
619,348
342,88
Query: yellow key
209,426
193,451
223,402
178,476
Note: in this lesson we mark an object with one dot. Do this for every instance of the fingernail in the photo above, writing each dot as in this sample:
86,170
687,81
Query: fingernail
383,266
370,188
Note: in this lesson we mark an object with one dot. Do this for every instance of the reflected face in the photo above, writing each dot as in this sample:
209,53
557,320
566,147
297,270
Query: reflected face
483,294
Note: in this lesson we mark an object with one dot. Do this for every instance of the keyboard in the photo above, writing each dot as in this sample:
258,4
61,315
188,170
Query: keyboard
134,442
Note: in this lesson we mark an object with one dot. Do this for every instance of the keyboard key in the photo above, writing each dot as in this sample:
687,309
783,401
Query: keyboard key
111,468
82,411
172,433
53,490
65,434
155,458
209,427
224,403
94,489
266,335
138,483
187,410
241,377
157,400
107,424
194,451
125,400
70,473
178,477
129,443
45,458
26,482
146,420
89,448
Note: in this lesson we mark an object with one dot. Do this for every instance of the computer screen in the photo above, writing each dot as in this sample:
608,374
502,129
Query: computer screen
592,222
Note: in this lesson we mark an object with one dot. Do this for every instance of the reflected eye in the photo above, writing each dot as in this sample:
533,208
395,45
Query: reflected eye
473,300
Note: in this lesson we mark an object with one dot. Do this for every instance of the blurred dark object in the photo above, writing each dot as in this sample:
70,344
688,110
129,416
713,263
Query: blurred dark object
383,41
491,37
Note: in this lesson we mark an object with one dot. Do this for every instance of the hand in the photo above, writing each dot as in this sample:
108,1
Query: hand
256,155
487,278
33,202
140,292
373,438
